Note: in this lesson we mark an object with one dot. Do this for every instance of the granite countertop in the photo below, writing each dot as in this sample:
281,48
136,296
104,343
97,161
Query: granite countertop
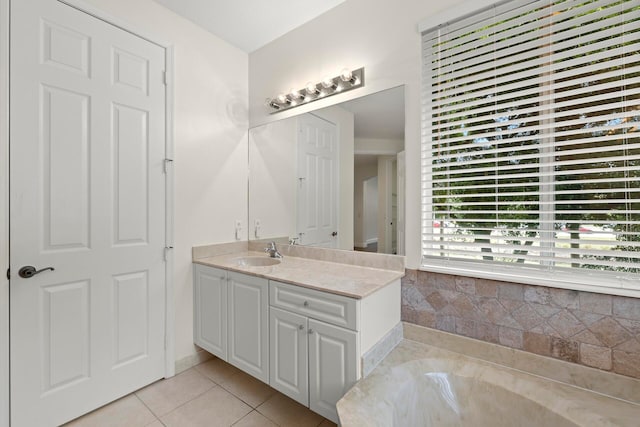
336,278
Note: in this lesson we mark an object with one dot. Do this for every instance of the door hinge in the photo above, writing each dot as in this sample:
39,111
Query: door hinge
164,78
166,252
8,274
167,162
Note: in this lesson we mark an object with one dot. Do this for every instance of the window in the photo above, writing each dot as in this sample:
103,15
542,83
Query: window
531,144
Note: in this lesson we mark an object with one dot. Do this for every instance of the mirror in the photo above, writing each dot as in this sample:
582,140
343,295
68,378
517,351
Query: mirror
333,177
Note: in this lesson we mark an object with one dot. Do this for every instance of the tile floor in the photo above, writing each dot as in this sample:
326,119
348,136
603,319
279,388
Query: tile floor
211,394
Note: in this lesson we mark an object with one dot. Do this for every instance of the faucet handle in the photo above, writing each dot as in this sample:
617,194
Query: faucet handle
271,247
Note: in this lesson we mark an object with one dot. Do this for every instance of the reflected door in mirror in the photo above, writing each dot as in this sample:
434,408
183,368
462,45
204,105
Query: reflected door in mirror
318,182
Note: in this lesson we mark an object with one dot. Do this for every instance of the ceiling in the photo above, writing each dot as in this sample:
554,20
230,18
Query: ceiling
249,24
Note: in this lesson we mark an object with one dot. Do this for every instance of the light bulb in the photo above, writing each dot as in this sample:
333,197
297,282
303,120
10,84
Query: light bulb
328,83
312,88
295,94
271,103
347,76
283,99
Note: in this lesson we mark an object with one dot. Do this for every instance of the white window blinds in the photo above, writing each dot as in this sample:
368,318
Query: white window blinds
531,142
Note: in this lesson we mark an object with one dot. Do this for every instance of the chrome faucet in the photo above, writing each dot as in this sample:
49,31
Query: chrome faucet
273,251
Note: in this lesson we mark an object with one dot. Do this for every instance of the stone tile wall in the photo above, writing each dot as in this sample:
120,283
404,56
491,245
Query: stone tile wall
597,330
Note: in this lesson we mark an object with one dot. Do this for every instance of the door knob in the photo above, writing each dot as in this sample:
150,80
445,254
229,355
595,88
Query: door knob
30,271
334,234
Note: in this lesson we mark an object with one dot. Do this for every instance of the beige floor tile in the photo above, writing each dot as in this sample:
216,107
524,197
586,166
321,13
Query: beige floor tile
248,389
217,370
288,413
216,407
126,412
156,423
327,423
255,419
164,396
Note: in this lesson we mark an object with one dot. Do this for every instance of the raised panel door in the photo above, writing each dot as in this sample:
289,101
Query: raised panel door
288,354
248,317
333,366
210,309
87,198
318,170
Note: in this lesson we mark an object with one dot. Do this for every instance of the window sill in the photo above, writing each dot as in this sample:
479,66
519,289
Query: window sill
627,287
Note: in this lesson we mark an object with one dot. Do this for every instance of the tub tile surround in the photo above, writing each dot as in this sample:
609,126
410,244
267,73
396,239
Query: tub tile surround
380,398
358,276
592,379
595,330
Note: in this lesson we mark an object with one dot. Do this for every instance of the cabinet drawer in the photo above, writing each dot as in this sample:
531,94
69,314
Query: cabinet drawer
335,309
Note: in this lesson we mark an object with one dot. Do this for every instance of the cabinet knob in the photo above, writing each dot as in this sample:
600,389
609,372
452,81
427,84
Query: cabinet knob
301,327
306,303
311,331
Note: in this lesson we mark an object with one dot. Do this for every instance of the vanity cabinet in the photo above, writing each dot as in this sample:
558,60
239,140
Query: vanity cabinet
210,309
313,361
289,354
333,366
231,318
309,344
248,320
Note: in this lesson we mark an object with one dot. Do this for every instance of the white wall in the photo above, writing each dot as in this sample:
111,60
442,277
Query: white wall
210,141
273,179
382,36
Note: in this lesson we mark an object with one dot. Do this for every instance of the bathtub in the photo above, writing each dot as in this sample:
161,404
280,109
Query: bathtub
449,389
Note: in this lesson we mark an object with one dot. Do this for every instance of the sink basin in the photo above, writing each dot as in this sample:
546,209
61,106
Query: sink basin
257,261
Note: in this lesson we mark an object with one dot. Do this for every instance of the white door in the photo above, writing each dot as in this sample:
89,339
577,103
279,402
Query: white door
87,139
248,318
401,202
333,366
289,355
210,309
318,170
370,210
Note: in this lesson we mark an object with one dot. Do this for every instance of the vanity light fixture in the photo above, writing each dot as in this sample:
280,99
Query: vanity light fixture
347,80
347,76
295,95
329,84
312,89
284,99
272,103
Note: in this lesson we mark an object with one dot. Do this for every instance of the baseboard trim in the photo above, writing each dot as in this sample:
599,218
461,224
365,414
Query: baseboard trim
192,360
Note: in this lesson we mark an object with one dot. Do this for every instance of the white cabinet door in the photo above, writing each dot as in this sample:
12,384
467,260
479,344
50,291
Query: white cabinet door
248,317
210,310
289,355
333,366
